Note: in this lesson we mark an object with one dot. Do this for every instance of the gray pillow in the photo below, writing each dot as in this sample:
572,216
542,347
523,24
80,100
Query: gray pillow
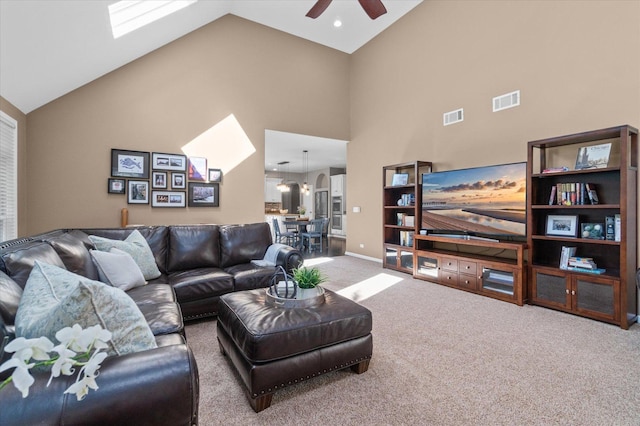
55,298
136,245
118,269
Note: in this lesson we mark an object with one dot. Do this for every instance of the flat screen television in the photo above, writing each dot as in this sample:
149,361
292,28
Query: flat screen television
485,201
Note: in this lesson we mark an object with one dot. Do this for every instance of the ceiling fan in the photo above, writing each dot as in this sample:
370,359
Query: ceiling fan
373,8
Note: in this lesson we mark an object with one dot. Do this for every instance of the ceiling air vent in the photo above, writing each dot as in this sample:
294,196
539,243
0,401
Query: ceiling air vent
509,100
453,117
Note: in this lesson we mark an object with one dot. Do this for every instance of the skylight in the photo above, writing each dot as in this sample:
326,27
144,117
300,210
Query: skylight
129,15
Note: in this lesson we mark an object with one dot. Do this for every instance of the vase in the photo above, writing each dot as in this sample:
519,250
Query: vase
307,293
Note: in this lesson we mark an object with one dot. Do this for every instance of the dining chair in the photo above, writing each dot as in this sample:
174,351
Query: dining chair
312,238
288,238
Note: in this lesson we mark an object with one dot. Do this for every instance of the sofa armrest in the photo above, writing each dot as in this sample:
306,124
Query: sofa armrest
155,387
289,258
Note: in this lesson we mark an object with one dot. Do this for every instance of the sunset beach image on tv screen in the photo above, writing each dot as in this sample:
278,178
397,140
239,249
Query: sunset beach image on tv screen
483,200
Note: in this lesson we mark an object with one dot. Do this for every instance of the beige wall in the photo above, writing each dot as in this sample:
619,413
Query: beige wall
16,114
575,64
265,78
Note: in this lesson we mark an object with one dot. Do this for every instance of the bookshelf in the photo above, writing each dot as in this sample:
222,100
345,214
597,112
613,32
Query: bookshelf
401,212
562,220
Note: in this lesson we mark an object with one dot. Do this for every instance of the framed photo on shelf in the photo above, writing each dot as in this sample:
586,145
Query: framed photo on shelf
204,194
593,231
178,180
400,179
138,192
168,199
159,180
593,157
215,175
170,162
134,164
198,168
116,186
562,225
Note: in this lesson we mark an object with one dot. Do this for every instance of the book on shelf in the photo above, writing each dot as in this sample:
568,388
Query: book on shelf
552,197
406,238
576,193
617,227
555,170
589,271
565,254
582,263
591,192
403,219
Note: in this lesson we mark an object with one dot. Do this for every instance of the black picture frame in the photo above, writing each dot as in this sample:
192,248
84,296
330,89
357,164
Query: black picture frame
562,225
178,180
138,192
204,194
215,175
159,180
116,186
169,162
132,164
169,199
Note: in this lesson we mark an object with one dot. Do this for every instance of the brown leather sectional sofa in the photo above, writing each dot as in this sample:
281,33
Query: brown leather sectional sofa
198,264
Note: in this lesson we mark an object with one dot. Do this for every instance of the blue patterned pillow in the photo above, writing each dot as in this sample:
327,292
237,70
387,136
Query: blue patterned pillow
136,246
118,269
55,298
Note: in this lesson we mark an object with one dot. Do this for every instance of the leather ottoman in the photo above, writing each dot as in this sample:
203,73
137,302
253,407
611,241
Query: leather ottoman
273,347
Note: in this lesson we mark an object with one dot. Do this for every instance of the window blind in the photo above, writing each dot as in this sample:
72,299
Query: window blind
8,177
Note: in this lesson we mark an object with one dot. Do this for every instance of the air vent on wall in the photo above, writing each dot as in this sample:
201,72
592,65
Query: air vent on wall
453,117
509,100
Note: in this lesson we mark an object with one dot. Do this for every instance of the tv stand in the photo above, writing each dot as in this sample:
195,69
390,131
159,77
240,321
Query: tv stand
479,265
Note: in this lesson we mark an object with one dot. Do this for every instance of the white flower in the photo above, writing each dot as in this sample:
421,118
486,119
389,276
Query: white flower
89,373
63,364
80,340
21,378
25,349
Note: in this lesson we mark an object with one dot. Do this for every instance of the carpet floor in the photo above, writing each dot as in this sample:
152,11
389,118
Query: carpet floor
444,357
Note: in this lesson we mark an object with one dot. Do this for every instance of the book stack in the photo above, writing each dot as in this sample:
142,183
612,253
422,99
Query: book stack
404,219
578,193
406,238
584,264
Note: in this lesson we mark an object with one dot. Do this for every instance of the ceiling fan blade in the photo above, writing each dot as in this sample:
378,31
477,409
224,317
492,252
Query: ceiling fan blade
374,8
318,8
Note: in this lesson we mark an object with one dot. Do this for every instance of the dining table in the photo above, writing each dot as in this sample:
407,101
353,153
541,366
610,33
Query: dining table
302,227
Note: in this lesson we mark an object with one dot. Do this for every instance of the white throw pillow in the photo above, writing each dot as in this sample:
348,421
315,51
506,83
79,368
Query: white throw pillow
118,269
55,298
136,245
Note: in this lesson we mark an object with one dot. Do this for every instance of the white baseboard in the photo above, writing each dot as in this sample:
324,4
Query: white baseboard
362,256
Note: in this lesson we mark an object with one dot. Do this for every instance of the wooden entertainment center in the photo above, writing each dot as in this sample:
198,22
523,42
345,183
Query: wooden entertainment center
531,271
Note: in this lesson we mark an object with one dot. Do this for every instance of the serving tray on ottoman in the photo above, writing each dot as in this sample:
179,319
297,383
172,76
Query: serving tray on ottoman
273,347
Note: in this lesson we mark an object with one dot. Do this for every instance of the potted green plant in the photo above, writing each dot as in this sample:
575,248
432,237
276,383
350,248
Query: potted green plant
308,280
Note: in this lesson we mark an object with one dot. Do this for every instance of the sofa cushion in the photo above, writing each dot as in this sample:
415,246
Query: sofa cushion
243,243
55,298
10,294
17,262
191,247
202,283
118,269
72,247
163,318
247,276
152,293
136,245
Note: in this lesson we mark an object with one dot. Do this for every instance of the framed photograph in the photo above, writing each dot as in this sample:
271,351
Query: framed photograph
215,175
204,194
593,157
116,186
159,180
198,168
562,225
171,162
168,199
400,179
593,231
134,164
138,192
178,180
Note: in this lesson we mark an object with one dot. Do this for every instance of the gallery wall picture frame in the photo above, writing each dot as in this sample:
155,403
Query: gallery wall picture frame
116,186
138,192
169,199
204,194
197,168
215,175
133,164
178,180
400,179
562,225
159,180
169,162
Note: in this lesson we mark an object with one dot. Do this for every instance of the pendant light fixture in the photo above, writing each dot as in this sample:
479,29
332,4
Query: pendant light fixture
305,164
282,186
